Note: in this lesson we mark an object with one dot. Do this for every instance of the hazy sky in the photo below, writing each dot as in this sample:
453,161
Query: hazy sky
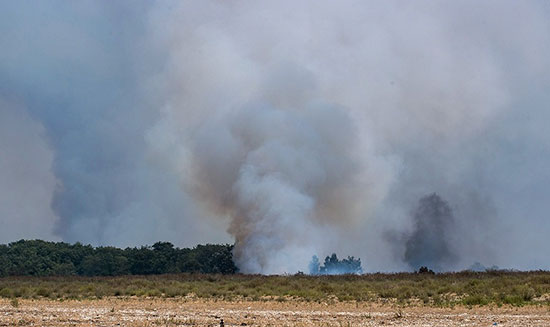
292,128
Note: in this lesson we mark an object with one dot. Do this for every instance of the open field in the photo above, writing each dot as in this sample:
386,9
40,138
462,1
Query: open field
466,288
147,312
465,299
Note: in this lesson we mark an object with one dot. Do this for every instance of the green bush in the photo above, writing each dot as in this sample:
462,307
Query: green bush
475,300
6,293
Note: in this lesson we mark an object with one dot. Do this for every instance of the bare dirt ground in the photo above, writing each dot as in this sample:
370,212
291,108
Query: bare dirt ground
192,312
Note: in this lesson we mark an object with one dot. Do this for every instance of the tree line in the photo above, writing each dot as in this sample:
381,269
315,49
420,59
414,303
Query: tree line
42,258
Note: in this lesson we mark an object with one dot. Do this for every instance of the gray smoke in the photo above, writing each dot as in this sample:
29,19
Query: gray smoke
27,183
280,174
290,128
429,244
75,70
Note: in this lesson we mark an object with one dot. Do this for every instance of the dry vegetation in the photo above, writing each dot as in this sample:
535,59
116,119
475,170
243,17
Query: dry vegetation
158,312
468,299
465,288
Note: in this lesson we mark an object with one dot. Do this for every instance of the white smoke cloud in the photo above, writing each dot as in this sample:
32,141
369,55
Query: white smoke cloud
298,127
425,84
268,169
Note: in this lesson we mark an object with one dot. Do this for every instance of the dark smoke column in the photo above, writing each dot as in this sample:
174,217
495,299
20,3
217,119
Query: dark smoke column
428,245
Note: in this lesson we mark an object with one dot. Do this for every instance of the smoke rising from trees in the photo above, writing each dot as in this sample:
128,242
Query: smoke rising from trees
275,173
290,128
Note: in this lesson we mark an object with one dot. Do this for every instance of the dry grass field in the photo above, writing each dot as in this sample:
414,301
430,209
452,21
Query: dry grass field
141,312
440,290
454,299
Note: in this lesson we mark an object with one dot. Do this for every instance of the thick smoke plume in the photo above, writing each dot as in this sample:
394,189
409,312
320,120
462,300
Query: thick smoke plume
429,244
279,174
290,128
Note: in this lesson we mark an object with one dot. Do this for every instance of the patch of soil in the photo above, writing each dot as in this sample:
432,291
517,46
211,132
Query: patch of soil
142,312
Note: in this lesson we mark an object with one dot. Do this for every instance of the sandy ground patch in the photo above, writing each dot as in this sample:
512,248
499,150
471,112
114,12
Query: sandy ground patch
183,312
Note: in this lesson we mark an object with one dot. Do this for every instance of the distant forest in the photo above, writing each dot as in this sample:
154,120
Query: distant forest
41,258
